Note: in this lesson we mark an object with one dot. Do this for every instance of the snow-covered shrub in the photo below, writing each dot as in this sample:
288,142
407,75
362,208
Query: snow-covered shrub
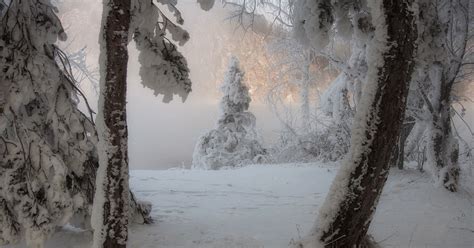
328,141
234,142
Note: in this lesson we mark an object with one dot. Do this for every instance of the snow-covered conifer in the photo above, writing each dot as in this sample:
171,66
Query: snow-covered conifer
48,158
234,142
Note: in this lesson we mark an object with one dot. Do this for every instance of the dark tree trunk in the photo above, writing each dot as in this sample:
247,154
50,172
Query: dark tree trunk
346,215
113,139
446,151
398,154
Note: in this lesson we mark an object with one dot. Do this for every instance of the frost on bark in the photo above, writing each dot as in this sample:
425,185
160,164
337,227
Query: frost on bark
345,217
111,203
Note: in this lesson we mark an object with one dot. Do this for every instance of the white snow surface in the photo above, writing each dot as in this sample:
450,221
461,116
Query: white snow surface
269,205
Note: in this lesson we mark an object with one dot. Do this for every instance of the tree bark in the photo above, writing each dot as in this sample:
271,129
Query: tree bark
112,192
398,154
347,212
445,149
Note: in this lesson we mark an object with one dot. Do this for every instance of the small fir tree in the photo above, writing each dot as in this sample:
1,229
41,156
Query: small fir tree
234,142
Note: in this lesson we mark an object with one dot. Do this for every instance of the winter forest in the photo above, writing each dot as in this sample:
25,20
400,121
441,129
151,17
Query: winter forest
236,123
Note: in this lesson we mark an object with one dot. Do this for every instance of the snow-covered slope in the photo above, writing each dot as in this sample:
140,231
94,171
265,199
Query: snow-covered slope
269,205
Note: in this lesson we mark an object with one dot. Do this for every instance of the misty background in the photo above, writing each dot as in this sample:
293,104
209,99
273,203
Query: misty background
163,136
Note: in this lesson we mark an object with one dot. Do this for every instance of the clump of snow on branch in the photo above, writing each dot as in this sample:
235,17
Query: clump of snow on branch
163,68
206,4
313,22
234,142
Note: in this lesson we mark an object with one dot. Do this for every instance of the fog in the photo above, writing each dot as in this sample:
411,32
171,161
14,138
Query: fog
163,135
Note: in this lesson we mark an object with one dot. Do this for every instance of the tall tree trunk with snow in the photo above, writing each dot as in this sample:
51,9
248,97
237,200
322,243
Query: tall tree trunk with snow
111,203
347,212
443,147
163,69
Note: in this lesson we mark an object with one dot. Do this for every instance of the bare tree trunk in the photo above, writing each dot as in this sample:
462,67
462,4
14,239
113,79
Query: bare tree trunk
398,155
345,217
111,203
445,149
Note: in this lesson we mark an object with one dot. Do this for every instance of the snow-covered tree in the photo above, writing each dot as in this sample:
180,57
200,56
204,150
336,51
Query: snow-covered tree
291,68
442,48
436,87
320,127
163,69
48,159
335,104
234,142
345,217
428,133
339,100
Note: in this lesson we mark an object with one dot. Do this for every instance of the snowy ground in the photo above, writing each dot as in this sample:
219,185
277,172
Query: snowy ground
268,206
